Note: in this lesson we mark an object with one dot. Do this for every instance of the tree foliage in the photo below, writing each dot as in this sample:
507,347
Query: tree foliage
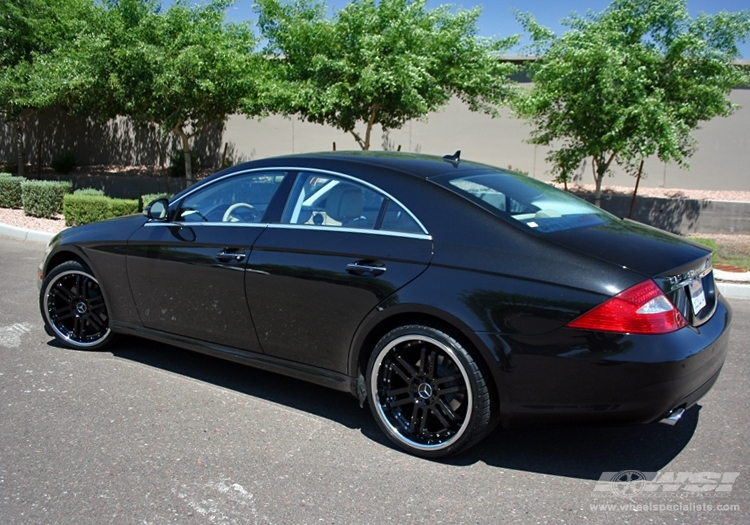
630,82
181,70
32,33
383,62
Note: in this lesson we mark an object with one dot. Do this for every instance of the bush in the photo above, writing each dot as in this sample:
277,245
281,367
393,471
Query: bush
89,191
11,195
6,175
44,198
151,197
177,163
85,209
65,163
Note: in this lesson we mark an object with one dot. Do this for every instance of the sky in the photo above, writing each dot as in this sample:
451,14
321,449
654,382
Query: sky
498,16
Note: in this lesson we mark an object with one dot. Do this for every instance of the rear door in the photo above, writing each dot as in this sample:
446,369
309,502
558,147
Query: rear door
341,247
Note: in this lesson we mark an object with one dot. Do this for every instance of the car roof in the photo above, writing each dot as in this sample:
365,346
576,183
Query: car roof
414,164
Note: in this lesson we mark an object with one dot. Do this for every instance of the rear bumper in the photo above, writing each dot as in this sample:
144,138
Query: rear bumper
572,376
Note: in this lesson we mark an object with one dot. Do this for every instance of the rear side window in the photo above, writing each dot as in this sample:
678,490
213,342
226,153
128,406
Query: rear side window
326,200
528,202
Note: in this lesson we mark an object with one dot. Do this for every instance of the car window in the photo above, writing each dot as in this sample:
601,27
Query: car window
324,200
396,219
327,200
529,202
236,199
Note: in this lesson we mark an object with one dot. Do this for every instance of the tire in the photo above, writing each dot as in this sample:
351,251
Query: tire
73,307
427,393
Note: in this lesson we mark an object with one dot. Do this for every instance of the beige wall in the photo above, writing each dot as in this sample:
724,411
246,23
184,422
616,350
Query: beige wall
722,161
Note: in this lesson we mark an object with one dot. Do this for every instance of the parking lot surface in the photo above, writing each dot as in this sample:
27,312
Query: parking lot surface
150,434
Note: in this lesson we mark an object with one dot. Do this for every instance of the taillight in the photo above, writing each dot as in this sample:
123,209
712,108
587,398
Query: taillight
642,309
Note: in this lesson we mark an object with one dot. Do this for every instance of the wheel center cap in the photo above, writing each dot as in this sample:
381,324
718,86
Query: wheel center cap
424,391
81,308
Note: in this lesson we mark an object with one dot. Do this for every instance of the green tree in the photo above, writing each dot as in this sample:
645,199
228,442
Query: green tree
383,62
630,82
31,32
181,70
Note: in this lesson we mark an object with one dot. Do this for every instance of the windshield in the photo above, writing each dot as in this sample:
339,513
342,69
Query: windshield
528,202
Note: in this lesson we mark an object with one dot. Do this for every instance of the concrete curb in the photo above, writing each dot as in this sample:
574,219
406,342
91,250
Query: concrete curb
738,288
734,290
25,234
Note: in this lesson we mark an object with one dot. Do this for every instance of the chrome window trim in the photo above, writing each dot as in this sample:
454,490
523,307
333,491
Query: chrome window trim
152,223
299,170
386,233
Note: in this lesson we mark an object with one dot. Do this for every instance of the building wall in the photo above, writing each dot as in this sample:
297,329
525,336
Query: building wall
721,162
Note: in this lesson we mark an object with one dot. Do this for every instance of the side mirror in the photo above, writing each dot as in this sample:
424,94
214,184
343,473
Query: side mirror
157,210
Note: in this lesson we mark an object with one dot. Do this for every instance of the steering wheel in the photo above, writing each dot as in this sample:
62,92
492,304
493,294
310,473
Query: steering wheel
248,213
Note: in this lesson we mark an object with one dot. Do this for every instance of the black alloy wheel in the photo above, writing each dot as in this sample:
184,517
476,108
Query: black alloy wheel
73,307
427,393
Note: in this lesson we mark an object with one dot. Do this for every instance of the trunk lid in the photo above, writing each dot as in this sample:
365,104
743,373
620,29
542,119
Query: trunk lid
682,268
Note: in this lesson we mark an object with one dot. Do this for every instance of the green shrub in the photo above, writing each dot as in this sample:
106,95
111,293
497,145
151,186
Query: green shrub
120,207
89,191
11,195
85,209
177,163
6,174
65,163
44,198
151,197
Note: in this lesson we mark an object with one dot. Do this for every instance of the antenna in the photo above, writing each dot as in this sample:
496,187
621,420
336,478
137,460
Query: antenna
453,159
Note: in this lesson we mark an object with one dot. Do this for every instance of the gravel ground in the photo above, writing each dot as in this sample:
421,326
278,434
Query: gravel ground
17,218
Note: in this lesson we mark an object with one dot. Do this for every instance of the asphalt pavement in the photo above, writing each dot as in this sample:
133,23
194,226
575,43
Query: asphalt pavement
145,433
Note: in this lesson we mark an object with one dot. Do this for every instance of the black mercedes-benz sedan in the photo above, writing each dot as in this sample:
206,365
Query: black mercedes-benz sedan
446,294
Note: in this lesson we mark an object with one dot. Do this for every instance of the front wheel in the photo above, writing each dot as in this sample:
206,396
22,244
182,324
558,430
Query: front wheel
73,307
427,392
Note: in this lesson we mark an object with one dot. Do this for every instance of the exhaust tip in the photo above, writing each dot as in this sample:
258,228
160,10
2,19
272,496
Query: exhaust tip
673,417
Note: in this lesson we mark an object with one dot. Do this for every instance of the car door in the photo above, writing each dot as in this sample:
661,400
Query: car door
187,275
342,246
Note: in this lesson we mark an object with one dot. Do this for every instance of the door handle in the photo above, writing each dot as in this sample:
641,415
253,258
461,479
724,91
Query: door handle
228,255
362,267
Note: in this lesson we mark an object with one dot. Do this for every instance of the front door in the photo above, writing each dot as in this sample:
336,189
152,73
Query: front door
188,275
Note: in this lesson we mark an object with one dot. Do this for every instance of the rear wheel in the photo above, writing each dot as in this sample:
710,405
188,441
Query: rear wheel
73,307
427,392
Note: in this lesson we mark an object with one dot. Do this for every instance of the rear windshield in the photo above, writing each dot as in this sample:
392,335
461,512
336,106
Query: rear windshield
523,200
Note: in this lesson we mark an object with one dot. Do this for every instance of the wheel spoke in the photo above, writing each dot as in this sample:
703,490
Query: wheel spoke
96,303
431,365
451,390
77,328
447,411
441,418
96,322
409,369
401,402
447,379
397,391
422,356
60,292
59,318
418,419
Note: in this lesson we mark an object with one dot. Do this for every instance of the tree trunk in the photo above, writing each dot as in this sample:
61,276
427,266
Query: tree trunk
598,182
635,191
600,170
365,144
598,192
19,144
187,154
